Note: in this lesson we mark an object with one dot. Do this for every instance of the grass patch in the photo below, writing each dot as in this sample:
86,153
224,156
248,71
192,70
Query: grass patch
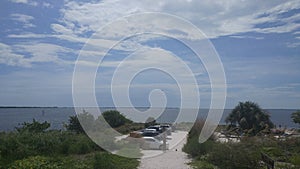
201,164
130,150
111,161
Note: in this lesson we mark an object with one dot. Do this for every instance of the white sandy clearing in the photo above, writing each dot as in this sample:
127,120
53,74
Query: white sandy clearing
171,159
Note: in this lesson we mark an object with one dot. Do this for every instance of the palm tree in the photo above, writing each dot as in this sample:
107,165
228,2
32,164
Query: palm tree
250,118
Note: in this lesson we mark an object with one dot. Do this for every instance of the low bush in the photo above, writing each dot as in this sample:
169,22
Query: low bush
34,127
202,164
60,162
15,146
111,161
243,155
114,118
35,162
227,156
129,127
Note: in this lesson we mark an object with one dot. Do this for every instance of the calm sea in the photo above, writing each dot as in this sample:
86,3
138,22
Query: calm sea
12,117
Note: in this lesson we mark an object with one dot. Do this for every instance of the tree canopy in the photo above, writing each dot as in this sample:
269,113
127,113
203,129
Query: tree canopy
86,121
35,127
115,118
150,122
296,117
74,125
250,118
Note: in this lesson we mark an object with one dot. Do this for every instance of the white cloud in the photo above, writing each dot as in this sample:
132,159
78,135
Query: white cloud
153,58
247,37
21,17
25,19
43,52
14,55
293,45
32,3
61,29
47,5
10,58
19,1
29,35
214,18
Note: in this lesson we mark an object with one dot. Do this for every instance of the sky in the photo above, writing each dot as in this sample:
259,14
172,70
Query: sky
258,43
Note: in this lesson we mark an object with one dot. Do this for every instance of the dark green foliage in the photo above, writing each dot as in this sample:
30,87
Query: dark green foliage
35,162
33,146
296,117
243,155
193,147
97,161
150,122
201,164
81,122
14,146
85,122
74,125
103,161
35,127
127,128
111,161
239,156
250,118
60,162
115,118
246,154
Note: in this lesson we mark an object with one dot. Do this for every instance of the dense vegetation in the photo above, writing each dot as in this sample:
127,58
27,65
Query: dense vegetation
33,145
150,122
296,116
250,118
245,154
115,118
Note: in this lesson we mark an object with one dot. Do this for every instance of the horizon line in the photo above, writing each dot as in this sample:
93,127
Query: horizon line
130,107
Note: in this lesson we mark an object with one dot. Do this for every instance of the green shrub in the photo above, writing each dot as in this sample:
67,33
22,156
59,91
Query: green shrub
103,161
295,159
228,156
15,146
130,150
194,148
115,118
36,162
200,164
129,127
59,162
111,161
74,125
34,127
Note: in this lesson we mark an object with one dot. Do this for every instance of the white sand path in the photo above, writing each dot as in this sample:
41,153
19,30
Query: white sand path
171,159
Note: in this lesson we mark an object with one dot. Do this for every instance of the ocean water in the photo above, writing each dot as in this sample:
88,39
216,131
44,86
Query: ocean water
12,117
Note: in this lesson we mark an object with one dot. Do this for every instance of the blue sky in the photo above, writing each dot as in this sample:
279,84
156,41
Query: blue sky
258,43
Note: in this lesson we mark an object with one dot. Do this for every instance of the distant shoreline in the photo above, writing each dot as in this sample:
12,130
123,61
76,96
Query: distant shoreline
7,107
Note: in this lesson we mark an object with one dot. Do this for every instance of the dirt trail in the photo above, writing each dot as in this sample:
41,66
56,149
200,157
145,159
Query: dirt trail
171,159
